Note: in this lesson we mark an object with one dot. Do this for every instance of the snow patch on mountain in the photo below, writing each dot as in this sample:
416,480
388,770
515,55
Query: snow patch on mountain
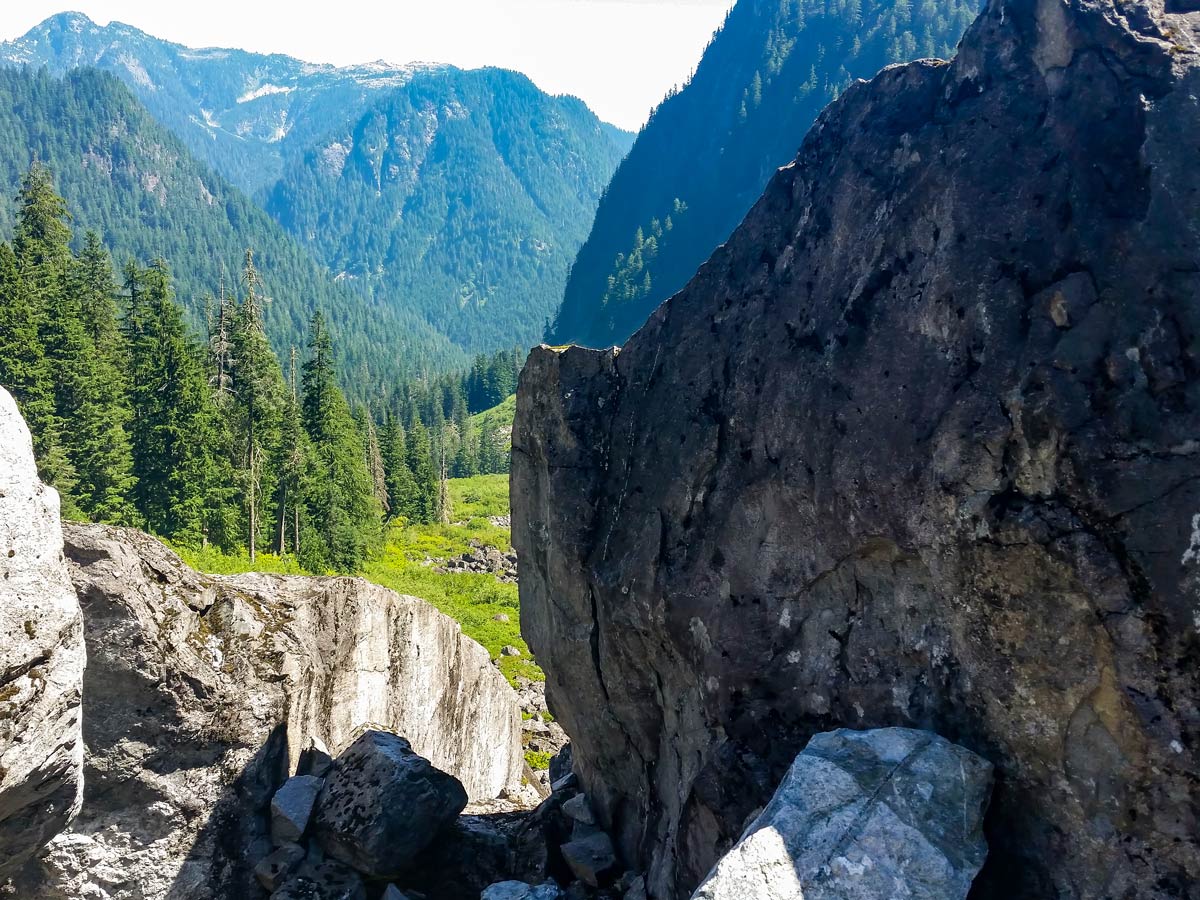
137,71
265,91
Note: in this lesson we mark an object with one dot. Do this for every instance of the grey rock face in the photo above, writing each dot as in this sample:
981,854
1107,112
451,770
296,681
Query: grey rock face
202,692
861,815
292,807
42,656
383,804
917,446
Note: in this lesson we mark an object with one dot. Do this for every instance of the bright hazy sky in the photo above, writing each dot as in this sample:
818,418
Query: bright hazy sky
620,56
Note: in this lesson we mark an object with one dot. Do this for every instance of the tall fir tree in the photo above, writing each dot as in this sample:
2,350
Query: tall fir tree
401,487
373,454
23,367
172,425
257,407
97,443
341,504
292,468
425,477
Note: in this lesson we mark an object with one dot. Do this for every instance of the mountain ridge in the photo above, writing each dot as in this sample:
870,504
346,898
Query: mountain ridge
451,199
348,87
764,78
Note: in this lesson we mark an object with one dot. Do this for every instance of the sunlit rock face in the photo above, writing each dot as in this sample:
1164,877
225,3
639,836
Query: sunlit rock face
917,446
202,692
860,815
42,656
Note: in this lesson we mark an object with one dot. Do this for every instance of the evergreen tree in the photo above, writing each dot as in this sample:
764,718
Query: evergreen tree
373,457
425,477
42,247
341,504
172,424
291,466
257,407
491,461
23,368
401,486
42,237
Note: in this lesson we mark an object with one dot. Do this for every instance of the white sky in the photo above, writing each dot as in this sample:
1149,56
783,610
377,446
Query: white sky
620,56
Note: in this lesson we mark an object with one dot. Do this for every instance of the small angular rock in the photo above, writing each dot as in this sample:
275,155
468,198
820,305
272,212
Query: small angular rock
315,759
590,858
394,893
292,807
509,650
383,804
277,868
328,881
579,809
636,889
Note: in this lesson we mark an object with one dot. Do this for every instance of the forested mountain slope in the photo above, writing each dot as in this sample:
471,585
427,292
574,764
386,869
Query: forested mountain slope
466,194
126,176
460,196
708,150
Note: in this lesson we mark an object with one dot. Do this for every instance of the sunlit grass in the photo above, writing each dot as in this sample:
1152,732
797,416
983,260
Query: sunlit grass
478,497
216,562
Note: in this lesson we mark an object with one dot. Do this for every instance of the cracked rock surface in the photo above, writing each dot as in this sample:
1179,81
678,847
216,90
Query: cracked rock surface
42,656
920,446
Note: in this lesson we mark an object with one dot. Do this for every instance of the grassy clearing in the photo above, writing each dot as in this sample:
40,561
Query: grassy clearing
478,497
215,562
472,600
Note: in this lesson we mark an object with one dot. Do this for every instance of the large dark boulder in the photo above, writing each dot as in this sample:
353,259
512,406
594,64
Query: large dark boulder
383,804
920,446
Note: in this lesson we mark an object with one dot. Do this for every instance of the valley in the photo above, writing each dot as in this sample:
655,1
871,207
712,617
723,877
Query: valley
414,487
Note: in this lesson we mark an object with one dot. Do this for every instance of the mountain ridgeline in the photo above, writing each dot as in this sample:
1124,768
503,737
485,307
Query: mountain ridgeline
708,151
426,209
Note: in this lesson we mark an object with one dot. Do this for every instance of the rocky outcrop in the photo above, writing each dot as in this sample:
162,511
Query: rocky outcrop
481,559
917,446
202,693
862,815
42,656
